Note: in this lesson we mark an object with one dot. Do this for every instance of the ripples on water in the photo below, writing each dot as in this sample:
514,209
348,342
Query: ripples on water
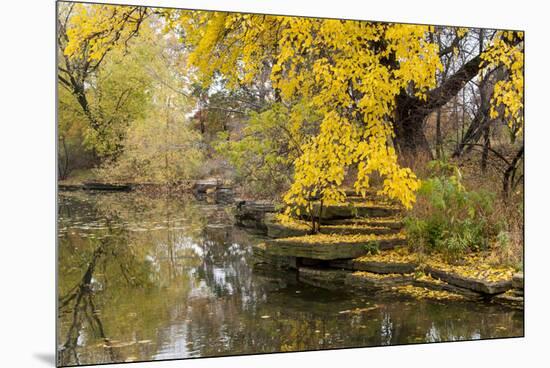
144,278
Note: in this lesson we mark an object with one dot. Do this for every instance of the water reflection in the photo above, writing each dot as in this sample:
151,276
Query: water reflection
144,278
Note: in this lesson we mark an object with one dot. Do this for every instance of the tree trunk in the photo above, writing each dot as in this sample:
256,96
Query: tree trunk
438,136
486,146
409,129
510,173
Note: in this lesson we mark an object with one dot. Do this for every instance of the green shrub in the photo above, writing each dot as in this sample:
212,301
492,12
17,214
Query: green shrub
452,220
372,247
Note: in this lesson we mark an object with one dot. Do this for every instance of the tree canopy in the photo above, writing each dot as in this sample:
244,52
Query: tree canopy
371,85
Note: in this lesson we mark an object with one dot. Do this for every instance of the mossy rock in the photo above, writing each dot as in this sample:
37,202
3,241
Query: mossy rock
438,285
342,264
384,267
337,249
357,230
346,211
517,280
116,187
251,214
478,285
261,257
392,222
510,298
374,267
324,278
278,230
368,280
350,192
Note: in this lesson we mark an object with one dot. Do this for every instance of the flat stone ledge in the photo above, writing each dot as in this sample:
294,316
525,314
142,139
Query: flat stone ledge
277,230
391,222
260,257
329,251
517,281
202,186
366,280
384,267
510,298
117,187
358,230
350,211
480,286
443,286
251,214
325,278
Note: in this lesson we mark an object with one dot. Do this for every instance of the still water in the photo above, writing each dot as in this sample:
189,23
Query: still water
143,278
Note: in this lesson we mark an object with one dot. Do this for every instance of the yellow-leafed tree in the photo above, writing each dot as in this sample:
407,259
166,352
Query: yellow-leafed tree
373,84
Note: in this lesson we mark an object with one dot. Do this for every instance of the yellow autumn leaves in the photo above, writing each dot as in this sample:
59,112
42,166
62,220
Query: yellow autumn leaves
94,30
507,101
342,69
348,72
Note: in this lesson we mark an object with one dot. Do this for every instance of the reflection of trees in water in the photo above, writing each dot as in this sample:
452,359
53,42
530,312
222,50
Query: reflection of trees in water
104,253
163,278
294,323
224,266
79,303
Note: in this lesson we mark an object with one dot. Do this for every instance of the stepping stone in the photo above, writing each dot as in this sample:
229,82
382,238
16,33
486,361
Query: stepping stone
368,280
510,298
390,261
327,247
324,278
300,228
92,185
346,211
261,257
251,214
479,285
276,230
384,267
202,186
438,285
357,230
517,280
352,193
393,222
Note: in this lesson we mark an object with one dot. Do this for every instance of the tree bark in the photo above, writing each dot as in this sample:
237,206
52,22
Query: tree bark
510,172
486,146
411,111
438,136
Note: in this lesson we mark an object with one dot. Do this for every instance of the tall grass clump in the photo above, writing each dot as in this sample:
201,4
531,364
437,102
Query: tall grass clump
448,218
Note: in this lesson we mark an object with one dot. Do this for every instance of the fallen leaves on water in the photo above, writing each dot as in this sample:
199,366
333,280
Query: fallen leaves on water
116,344
381,276
421,292
358,310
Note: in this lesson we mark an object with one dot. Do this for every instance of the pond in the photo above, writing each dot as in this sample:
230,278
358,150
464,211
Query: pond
152,278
